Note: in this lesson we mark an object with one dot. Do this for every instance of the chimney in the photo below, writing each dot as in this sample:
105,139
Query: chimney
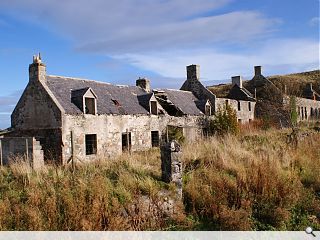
144,84
193,72
237,80
257,70
37,70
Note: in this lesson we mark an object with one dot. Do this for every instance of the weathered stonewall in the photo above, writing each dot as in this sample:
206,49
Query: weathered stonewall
171,165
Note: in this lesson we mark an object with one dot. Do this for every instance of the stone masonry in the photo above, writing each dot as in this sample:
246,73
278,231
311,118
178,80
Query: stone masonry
171,165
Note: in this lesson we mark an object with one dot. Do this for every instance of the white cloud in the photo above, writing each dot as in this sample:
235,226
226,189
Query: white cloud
290,54
314,21
122,26
164,36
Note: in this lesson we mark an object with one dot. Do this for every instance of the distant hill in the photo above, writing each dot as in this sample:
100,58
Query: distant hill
294,83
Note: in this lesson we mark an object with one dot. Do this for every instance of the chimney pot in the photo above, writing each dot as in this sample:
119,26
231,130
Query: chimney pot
237,80
37,69
144,84
193,72
257,70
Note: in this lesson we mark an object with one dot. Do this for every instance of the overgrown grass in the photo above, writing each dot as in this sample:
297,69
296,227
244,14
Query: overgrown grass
254,181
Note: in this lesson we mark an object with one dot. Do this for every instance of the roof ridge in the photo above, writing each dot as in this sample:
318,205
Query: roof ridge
177,90
80,79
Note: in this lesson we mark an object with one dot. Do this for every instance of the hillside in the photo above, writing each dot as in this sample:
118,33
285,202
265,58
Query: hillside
295,83
255,181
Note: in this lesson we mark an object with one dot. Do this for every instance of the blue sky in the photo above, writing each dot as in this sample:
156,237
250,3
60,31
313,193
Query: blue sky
118,41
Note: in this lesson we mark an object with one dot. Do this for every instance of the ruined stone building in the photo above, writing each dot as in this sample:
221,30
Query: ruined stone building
275,102
76,119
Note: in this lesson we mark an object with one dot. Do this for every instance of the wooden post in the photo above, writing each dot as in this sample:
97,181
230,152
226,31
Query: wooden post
1,161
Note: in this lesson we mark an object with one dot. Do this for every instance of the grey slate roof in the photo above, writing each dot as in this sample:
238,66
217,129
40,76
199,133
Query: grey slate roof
126,96
240,94
201,104
184,100
145,99
310,93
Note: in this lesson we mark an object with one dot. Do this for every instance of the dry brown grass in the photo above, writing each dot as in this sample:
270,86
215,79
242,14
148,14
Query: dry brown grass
251,182
255,182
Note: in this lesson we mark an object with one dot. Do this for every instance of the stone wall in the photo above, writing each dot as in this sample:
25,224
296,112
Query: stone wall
171,165
26,147
244,115
194,85
307,109
109,129
36,109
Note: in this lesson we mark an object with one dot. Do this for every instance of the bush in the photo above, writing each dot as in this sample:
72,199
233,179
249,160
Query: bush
225,122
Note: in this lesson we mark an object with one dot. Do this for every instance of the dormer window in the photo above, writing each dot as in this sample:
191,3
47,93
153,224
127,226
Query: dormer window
85,99
153,108
90,105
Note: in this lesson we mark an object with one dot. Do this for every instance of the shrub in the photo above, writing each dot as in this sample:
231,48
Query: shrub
225,122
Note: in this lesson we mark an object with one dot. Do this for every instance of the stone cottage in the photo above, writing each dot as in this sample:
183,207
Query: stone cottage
273,101
77,119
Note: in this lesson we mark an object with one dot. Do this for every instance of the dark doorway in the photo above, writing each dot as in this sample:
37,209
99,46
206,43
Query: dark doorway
155,138
126,141
91,144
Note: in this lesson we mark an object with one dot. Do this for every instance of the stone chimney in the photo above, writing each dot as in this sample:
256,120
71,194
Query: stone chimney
257,70
193,72
37,70
144,84
237,80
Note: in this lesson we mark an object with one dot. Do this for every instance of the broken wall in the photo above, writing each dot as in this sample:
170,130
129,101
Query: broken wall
26,147
245,114
109,129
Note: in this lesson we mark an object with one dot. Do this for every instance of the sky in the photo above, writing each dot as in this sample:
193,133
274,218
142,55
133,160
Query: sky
118,41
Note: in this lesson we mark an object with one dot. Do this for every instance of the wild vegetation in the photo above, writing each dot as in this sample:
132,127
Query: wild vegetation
294,83
257,180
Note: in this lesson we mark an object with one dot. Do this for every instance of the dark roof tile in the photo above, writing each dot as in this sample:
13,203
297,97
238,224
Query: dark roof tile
126,96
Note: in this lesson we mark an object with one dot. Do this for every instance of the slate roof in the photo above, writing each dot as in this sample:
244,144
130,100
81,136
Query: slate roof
184,100
310,93
240,94
144,100
201,104
79,92
126,96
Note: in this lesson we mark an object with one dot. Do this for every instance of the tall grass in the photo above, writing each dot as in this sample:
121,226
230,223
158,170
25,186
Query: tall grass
254,181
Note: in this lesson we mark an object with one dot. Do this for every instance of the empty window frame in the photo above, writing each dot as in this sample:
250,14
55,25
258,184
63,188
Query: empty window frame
126,141
90,105
208,110
153,108
305,113
91,144
239,121
227,103
239,106
249,106
155,138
